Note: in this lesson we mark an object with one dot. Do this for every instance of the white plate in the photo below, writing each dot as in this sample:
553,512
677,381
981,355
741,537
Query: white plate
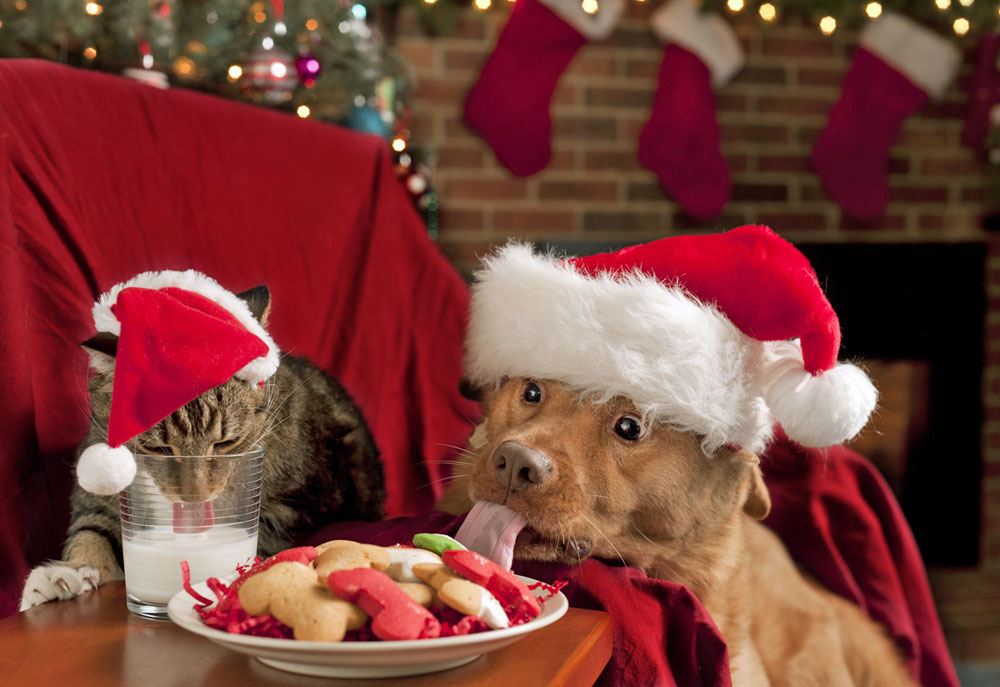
364,659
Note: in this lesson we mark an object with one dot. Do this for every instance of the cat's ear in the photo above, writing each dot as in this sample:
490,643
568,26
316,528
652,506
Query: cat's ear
102,349
259,300
469,390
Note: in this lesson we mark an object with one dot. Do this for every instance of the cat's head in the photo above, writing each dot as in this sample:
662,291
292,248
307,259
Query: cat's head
226,420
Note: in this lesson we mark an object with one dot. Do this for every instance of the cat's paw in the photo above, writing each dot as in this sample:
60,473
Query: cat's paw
58,580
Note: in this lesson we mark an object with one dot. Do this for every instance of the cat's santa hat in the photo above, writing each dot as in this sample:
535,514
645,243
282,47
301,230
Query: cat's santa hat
721,335
179,335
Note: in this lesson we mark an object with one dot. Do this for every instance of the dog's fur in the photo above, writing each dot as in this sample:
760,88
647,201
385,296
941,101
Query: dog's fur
661,505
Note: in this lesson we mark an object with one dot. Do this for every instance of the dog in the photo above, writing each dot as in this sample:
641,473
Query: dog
594,478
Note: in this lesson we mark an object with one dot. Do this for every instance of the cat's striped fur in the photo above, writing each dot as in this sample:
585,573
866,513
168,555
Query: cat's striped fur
321,463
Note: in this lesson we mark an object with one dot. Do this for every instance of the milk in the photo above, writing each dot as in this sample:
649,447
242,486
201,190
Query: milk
152,559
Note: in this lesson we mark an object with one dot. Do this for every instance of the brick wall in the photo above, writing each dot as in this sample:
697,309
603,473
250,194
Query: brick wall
595,192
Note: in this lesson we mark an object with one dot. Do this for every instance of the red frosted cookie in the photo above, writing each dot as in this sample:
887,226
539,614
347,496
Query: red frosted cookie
394,614
500,582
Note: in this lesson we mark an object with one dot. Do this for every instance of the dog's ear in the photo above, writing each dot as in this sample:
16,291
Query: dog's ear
758,501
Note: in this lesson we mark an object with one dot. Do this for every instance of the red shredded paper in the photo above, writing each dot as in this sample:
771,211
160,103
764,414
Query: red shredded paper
228,615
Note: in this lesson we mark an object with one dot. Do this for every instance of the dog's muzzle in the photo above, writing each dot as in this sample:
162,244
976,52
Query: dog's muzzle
518,467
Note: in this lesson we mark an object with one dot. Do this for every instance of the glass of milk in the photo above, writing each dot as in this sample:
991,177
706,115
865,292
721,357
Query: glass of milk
200,509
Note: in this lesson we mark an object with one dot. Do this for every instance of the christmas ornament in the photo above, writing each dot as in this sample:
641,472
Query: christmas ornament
509,104
721,335
680,140
308,67
269,74
368,120
179,335
896,68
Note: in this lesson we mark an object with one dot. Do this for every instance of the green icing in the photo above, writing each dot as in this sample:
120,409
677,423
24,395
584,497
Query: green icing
438,543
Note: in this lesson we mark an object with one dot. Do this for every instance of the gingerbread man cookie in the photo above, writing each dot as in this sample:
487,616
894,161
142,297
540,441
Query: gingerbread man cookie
342,554
291,593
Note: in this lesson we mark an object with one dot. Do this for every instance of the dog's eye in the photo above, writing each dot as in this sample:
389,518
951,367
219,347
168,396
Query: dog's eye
628,428
532,393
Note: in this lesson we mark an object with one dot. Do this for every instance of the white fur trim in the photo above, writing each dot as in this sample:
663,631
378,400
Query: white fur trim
922,56
190,280
594,27
105,470
816,410
680,361
707,35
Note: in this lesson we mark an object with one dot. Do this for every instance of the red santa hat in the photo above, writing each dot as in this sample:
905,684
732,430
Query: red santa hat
721,335
180,334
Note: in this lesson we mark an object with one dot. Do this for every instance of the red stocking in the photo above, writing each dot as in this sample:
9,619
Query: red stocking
509,104
898,65
680,141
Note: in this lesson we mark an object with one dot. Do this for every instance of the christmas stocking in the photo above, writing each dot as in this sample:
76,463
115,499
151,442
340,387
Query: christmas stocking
509,104
897,66
680,142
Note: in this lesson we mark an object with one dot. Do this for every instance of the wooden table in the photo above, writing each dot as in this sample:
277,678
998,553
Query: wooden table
94,640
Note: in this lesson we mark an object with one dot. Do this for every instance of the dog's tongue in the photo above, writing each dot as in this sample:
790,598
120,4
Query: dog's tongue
491,529
190,518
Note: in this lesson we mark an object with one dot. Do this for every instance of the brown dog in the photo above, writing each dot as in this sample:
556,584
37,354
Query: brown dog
592,479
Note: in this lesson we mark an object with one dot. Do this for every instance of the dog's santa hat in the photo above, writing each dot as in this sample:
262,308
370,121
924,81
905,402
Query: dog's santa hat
721,335
179,335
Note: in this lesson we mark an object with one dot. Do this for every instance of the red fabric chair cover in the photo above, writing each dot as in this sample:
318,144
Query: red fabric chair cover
102,177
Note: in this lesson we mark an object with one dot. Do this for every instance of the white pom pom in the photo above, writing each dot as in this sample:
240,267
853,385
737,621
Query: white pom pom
820,410
105,470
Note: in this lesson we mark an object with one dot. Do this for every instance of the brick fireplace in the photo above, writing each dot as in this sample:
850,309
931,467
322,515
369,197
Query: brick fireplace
595,195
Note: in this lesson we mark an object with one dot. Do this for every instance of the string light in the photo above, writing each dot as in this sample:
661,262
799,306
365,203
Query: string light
482,4
93,9
312,24
942,4
21,5
873,10
90,52
235,72
260,16
398,144
267,42
966,3
430,2
827,25
961,26
184,65
734,5
589,6
279,70
767,11
303,111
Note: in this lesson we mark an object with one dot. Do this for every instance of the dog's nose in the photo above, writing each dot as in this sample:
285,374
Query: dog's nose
519,467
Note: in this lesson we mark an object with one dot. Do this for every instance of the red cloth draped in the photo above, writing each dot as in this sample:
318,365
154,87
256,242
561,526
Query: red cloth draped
102,177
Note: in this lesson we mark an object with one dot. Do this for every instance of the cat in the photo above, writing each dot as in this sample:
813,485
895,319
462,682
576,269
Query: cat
321,463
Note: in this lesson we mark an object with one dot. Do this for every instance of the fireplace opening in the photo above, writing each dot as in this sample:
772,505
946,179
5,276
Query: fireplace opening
914,314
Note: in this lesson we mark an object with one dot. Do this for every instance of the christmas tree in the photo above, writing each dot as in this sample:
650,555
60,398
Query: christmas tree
317,58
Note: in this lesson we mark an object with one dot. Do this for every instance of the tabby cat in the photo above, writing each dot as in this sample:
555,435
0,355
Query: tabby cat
320,461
